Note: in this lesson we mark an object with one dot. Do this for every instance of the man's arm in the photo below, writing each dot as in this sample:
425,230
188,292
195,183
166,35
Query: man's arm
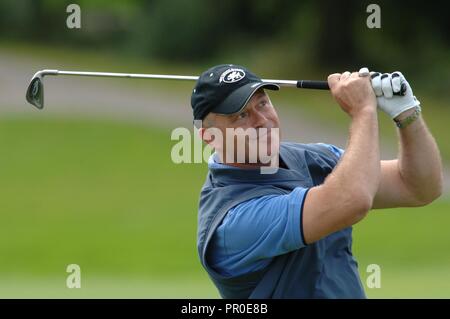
415,178
348,192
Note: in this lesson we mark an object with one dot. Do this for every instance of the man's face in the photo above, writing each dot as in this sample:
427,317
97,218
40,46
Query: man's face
259,118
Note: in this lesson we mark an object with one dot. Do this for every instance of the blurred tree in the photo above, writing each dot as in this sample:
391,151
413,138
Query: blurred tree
322,35
335,44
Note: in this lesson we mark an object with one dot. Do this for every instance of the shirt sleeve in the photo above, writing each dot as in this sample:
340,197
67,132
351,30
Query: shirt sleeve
257,230
336,150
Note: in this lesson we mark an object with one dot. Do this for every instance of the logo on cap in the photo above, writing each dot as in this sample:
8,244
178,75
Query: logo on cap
232,75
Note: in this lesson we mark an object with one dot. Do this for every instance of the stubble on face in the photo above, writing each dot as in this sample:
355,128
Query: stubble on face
260,116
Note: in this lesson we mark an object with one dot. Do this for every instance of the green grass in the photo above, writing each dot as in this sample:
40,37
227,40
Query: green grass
96,286
67,58
106,196
102,195
411,247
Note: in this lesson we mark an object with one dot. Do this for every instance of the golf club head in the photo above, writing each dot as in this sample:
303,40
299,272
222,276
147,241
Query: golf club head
35,92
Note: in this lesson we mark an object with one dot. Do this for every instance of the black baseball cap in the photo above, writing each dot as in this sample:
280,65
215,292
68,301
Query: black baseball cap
225,89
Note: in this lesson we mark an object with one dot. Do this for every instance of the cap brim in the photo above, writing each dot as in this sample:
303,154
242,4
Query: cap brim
238,99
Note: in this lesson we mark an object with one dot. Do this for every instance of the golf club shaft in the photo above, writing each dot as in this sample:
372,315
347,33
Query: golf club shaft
35,90
304,84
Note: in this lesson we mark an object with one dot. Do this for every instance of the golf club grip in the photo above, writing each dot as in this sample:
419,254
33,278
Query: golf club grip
308,84
323,85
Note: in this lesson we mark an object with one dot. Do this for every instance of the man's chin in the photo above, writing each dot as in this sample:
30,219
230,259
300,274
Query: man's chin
271,141
268,149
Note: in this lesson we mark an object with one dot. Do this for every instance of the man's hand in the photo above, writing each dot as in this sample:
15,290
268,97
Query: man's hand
385,85
353,92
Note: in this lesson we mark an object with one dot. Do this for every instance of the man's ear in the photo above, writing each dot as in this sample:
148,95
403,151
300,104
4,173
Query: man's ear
212,136
201,133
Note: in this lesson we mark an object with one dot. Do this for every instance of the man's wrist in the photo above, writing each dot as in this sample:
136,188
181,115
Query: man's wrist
408,118
364,112
404,114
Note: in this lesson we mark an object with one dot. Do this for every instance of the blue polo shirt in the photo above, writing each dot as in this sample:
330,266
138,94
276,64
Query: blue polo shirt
255,231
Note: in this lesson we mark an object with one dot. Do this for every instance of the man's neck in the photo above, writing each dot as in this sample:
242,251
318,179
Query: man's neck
281,163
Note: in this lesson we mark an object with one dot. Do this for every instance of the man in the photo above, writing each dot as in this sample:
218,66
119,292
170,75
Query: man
288,234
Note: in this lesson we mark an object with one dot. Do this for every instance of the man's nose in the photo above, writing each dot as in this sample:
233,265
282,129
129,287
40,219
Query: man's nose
259,120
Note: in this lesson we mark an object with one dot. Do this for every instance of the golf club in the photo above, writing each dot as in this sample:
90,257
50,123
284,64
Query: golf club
35,91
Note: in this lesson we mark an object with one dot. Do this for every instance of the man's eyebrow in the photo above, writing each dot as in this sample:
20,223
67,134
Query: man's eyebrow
261,96
257,95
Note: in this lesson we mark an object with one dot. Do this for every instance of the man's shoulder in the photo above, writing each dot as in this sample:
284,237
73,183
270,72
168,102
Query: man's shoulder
323,149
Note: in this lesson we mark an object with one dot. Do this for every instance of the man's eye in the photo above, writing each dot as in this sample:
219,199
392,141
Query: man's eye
242,115
263,103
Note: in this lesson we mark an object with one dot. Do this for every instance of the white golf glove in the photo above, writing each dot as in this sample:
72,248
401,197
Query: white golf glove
385,86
